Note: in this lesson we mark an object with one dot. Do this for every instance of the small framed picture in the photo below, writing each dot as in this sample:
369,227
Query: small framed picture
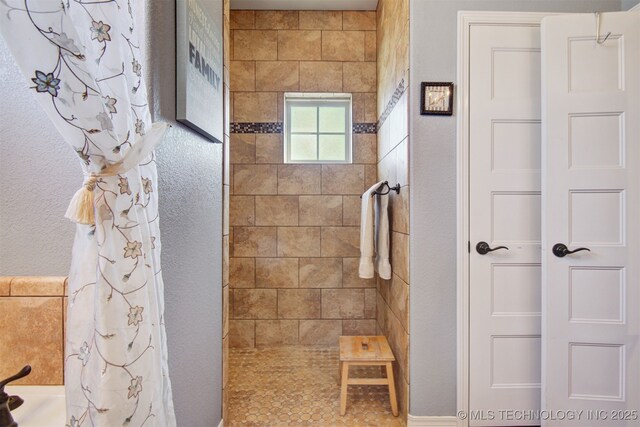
436,98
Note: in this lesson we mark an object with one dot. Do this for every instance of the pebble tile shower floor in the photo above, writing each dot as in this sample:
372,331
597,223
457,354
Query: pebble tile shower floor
298,386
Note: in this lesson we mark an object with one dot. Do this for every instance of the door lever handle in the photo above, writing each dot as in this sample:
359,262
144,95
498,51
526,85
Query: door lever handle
483,248
561,250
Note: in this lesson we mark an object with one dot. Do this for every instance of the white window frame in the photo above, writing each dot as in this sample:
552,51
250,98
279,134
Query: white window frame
318,100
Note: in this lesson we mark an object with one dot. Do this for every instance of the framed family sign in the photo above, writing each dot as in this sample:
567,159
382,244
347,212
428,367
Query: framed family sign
199,69
436,98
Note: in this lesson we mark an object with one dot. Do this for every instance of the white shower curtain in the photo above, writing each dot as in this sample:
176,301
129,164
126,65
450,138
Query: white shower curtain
82,61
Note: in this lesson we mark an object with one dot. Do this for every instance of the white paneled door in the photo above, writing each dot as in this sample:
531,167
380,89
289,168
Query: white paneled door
504,222
591,190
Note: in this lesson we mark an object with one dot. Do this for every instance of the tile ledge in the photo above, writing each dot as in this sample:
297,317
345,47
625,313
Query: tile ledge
36,285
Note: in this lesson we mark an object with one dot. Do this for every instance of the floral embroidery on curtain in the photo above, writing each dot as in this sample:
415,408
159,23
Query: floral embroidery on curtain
82,61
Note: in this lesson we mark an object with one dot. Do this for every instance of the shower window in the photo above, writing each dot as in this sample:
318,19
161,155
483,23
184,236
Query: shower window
317,128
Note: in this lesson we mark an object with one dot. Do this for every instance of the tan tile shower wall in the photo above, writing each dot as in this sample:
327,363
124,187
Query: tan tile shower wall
393,48
393,165
32,315
295,228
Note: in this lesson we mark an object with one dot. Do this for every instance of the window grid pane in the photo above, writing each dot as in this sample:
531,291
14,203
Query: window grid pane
304,119
304,147
331,147
331,119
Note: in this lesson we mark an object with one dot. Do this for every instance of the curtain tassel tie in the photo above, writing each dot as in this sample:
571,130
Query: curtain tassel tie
81,207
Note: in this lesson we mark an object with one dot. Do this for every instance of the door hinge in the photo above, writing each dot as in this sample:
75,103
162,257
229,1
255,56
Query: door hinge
469,246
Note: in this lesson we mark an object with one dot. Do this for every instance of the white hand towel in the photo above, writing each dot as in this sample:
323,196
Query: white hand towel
383,267
367,221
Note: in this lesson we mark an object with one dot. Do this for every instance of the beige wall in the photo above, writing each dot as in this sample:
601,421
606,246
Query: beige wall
32,315
393,152
295,228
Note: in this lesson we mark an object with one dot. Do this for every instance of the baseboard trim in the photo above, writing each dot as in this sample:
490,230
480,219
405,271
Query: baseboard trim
221,423
415,421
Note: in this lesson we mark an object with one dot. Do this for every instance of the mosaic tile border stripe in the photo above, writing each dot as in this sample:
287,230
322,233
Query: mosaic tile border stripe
397,94
277,127
365,128
255,127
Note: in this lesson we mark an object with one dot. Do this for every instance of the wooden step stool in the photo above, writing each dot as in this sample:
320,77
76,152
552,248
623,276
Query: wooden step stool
376,352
